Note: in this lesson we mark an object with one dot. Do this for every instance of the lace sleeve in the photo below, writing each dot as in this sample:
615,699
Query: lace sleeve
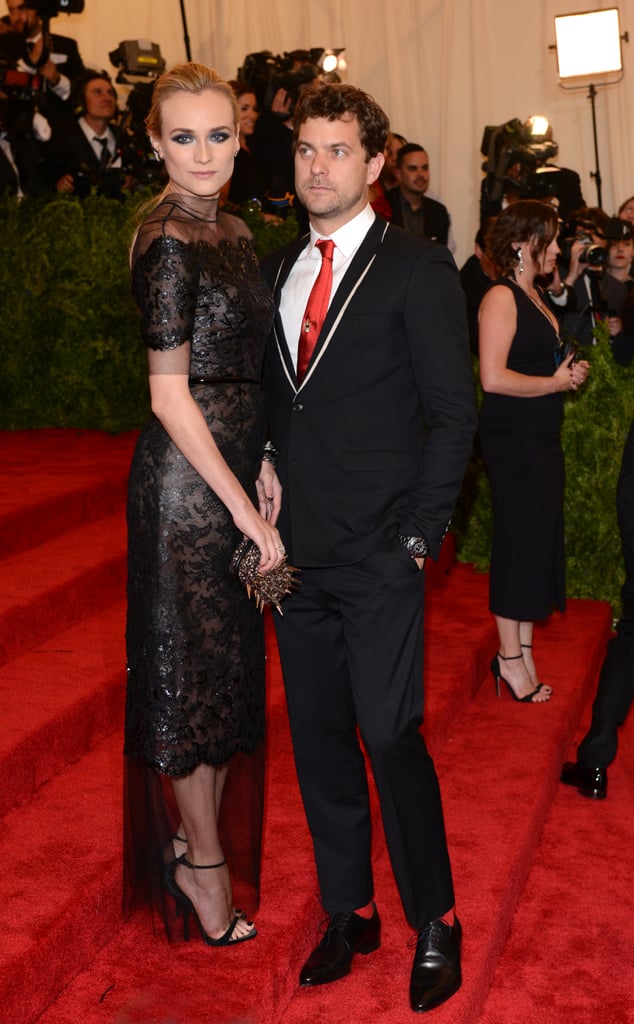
165,285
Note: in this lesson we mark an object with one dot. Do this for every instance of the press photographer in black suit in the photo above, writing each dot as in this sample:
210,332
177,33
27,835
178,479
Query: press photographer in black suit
55,57
86,153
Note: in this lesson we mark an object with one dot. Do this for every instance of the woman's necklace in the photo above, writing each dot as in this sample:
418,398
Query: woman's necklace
544,311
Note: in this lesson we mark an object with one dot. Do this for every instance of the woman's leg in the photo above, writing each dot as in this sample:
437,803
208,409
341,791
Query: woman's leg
515,670
198,797
526,640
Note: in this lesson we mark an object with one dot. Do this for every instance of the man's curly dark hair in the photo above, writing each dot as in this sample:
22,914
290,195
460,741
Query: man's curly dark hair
340,102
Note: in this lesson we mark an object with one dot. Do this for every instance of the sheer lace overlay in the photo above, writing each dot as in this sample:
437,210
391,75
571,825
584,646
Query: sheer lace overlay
195,656
195,646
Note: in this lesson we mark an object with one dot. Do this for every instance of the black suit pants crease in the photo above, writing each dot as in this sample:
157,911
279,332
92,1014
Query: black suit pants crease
351,646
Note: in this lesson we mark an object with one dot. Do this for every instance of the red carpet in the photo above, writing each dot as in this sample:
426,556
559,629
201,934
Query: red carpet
538,951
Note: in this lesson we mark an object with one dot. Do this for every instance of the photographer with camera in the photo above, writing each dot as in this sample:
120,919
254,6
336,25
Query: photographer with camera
598,250
85,154
35,50
278,82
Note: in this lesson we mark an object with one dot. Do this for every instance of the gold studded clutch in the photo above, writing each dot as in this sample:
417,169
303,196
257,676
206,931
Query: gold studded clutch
264,587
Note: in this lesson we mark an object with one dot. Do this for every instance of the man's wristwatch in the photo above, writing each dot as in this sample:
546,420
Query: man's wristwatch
417,547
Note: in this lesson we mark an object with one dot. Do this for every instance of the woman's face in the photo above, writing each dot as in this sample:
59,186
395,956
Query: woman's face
620,254
547,260
391,151
627,213
198,141
248,113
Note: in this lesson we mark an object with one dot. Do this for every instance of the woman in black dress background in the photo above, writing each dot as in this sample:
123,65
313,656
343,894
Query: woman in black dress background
520,426
195,698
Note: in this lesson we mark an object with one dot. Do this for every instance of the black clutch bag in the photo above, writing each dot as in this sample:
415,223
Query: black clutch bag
264,587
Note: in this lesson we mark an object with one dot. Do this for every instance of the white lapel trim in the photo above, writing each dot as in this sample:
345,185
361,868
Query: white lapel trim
281,345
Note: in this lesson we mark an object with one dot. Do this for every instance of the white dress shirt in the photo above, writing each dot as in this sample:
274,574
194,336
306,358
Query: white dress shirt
300,281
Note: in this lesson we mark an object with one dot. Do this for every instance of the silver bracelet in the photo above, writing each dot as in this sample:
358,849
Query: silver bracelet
269,453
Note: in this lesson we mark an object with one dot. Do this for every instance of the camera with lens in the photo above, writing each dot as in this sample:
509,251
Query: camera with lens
266,74
139,63
594,256
21,93
514,158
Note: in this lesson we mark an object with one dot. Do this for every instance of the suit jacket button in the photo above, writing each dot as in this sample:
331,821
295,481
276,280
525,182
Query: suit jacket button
298,408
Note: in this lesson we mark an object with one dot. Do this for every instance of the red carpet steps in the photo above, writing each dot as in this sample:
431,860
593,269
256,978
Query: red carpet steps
62,686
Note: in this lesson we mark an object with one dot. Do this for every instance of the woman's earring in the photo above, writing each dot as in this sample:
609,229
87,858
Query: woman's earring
236,152
520,260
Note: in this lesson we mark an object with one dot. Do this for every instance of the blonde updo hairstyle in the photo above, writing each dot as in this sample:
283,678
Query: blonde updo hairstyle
192,78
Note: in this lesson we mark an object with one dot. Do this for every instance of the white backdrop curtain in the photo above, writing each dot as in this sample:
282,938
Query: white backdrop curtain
442,69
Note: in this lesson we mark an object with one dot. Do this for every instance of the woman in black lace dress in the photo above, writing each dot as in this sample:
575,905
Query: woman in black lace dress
195,699
520,425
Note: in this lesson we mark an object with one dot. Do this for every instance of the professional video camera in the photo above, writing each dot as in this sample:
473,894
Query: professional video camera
139,62
514,159
50,8
266,74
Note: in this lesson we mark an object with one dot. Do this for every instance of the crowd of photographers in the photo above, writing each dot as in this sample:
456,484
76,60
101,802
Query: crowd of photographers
61,131
592,289
60,126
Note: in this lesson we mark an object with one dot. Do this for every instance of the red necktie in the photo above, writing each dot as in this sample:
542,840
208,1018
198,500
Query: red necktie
316,308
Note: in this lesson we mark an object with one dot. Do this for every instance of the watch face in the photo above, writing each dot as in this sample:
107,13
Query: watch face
417,547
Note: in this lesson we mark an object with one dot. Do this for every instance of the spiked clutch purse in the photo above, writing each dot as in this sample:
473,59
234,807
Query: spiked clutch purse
264,587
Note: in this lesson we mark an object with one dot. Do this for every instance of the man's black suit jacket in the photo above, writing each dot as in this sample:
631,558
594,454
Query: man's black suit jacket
376,439
63,47
435,215
70,152
68,63
28,157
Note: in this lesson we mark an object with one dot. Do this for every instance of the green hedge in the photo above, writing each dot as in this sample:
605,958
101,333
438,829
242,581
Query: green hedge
73,357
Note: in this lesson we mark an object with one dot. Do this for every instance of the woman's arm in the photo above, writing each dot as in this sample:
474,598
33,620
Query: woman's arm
174,406
497,327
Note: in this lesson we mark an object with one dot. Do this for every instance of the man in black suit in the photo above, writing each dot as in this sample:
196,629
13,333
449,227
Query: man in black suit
411,208
373,434
55,57
86,153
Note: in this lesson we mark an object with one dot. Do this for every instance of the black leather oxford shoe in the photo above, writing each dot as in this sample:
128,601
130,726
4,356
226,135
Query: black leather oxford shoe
345,935
436,972
592,782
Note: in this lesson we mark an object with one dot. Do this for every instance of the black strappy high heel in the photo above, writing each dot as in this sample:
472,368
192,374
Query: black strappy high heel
185,906
498,677
546,689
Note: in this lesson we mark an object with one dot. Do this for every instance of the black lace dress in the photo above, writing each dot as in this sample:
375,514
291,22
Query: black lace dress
195,645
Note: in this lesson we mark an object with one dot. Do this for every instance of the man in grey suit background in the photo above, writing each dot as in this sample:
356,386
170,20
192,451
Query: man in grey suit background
369,389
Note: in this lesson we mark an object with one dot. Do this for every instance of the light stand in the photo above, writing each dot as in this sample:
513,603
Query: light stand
185,33
589,45
596,173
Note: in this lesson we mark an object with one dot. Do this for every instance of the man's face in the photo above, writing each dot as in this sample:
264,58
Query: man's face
21,16
333,172
100,99
414,173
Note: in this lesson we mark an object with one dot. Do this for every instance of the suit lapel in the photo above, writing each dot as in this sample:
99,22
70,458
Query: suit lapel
351,281
283,271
